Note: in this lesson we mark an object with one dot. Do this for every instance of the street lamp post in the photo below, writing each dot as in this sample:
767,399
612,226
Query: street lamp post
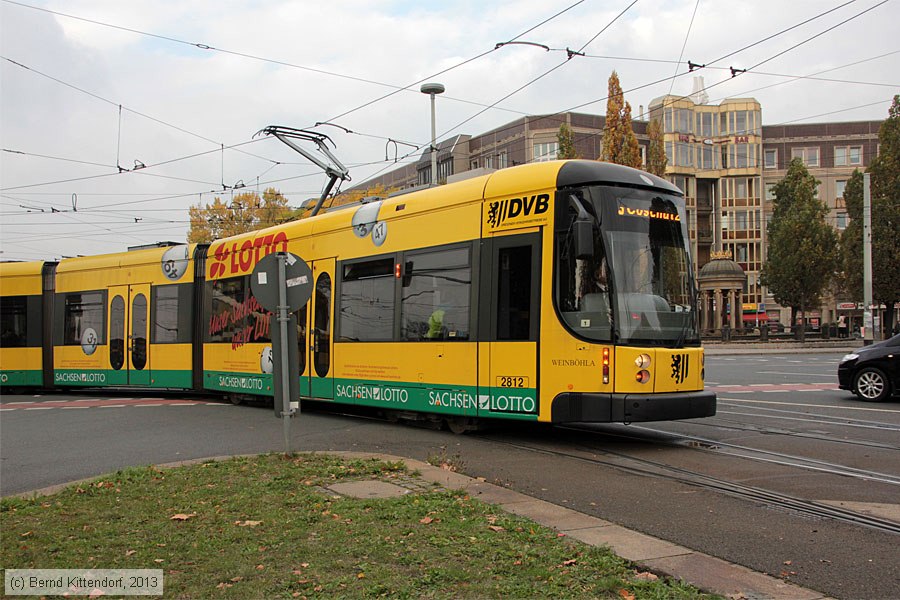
433,89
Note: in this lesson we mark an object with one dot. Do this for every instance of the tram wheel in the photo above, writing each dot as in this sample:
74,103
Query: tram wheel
459,425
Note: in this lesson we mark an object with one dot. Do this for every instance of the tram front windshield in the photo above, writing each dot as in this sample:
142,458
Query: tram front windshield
638,286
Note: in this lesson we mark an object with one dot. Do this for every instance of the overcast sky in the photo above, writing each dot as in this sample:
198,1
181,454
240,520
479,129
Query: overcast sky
193,75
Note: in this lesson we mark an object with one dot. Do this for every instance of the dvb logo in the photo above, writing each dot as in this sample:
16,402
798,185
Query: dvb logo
502,210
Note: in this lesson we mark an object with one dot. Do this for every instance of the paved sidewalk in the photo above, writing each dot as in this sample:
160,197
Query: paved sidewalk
701,570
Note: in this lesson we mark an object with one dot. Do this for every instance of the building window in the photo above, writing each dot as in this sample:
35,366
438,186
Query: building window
488,162
839,187
771,158
708,157
770,191
809,156
644,155
742,156
546,151
684,154
845,156
473,164
684,120
502,160
706,124
841,221
740,220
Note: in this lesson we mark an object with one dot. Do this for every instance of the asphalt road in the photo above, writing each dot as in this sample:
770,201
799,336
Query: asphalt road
782,427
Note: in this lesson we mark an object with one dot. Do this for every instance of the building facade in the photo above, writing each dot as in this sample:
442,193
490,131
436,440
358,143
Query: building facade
723,158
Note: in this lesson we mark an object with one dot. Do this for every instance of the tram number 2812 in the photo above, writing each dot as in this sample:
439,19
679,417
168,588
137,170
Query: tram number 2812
506,381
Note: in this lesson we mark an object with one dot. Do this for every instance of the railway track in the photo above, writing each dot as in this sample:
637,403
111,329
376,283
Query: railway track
640,466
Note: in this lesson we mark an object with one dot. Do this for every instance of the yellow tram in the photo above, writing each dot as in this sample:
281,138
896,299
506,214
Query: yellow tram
559,291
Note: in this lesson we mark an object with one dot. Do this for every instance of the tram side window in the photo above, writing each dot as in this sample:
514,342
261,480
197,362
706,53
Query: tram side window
236,315
83,311
227,300
435,297
367,301
13,322
172,314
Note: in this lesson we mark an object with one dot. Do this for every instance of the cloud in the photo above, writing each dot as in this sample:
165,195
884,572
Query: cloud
192,99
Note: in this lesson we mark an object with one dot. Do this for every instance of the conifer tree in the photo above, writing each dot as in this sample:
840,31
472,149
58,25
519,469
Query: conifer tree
620,145
656,153
566,140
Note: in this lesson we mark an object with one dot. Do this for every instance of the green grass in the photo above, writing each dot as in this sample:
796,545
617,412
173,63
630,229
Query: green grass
267,527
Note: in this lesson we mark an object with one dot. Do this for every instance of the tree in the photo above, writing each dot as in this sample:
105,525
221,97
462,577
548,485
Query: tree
245,212
885,196
566,140
656,153
620,145
802,252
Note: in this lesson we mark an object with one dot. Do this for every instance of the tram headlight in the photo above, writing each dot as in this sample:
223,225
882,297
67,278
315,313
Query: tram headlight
642,361
643,376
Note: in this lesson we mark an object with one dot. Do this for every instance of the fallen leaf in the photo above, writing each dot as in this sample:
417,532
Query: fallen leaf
247,523
626,595
158,560
224,585
495,528
260,567
788,562
130,552
360,575
570,562
182,517
26,534
646,576
236,579
426,520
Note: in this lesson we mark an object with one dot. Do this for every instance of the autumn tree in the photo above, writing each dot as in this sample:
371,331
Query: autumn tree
245,212
656,152
802,252
620,145
885,198
566,140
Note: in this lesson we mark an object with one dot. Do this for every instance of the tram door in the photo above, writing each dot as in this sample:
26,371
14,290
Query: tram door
321,331
129,333
512,264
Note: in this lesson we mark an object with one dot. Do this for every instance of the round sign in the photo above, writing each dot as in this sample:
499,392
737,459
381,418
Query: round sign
175,261
298,281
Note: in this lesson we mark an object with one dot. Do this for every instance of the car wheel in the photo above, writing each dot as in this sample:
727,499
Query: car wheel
871,385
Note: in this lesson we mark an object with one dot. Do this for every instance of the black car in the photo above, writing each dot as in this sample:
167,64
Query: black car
872,372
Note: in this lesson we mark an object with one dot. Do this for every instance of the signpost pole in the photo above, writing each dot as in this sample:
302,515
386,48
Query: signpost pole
283,319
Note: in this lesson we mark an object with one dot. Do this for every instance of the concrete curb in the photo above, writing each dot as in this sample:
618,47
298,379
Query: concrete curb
777,348
651,554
